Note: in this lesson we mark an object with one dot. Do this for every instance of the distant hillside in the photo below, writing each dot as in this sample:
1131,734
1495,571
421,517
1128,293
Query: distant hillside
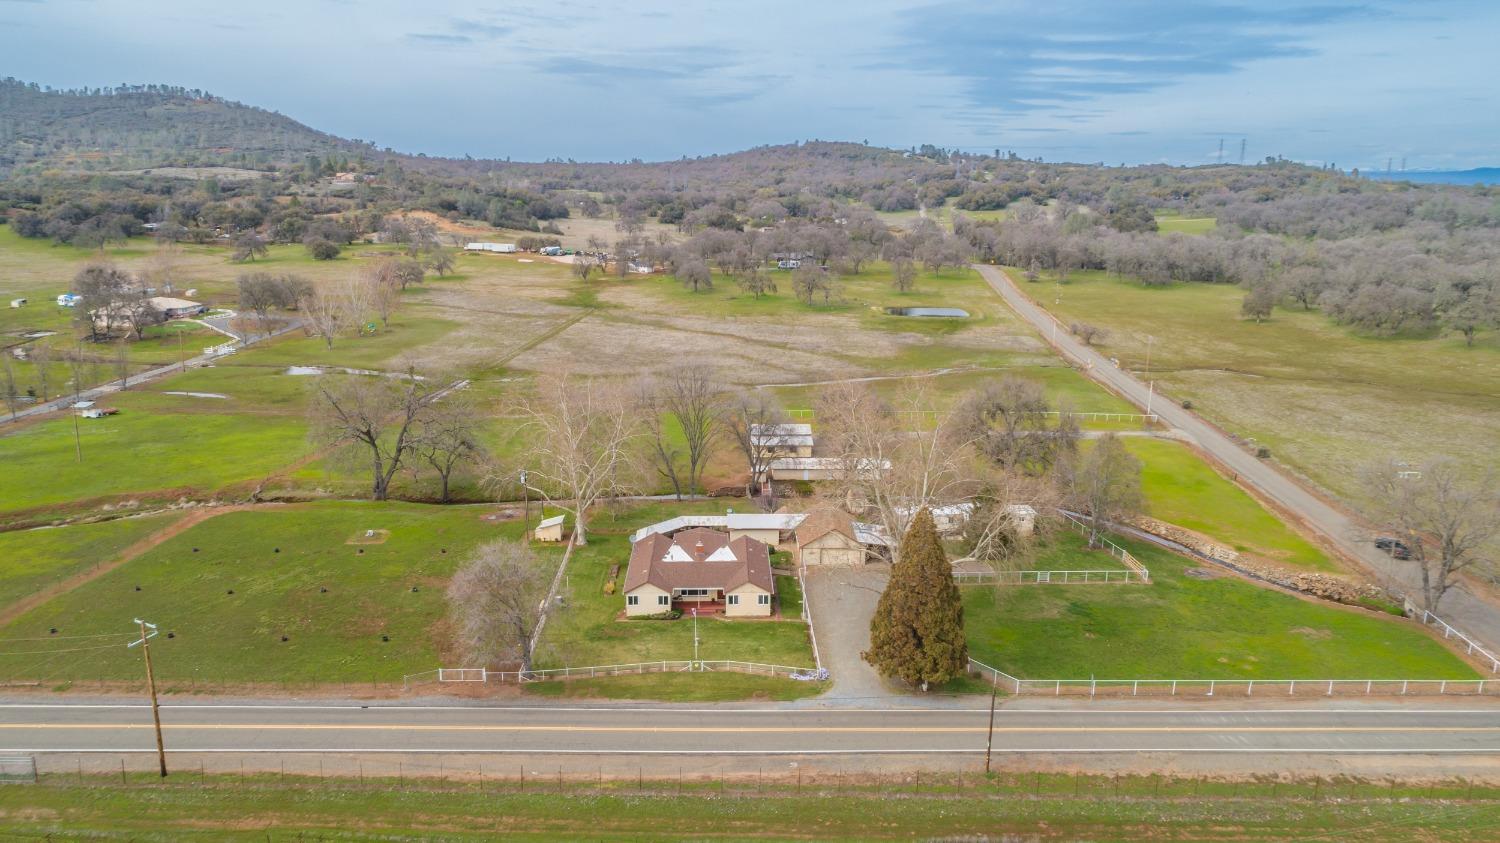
148,126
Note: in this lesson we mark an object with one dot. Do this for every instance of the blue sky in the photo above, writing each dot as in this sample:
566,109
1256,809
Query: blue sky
1353,83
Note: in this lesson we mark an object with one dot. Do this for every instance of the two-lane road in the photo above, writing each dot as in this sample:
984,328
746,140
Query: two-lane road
1466,611
351,728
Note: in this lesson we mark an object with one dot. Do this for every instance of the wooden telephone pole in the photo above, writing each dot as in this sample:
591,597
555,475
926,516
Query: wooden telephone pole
144,641
989,741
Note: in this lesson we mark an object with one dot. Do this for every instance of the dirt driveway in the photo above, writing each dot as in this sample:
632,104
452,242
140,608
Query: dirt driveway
843,601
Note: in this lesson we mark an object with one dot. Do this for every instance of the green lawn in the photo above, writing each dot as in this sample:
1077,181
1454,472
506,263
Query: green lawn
393,589
1182,627
589,631
37,558
1182,489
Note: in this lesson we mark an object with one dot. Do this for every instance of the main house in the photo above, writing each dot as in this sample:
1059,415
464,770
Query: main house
699,568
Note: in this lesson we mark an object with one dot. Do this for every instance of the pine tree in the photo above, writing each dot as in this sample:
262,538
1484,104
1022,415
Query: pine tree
917,634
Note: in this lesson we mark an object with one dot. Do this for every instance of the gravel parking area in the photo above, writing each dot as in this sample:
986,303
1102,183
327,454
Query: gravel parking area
843,601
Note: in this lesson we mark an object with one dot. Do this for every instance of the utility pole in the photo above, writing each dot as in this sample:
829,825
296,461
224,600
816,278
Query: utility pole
525,507
144,641
77,439
695,637
181,359
989,741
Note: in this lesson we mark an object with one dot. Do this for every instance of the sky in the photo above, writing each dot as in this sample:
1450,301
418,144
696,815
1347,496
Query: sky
1356,84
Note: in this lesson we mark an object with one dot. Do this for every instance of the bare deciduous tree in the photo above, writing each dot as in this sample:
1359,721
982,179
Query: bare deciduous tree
1444,519
1106,484
1090,334
448,436
581,431
903,274
323,312
495,600
378,412
248,245
743,414
690,398
1010,421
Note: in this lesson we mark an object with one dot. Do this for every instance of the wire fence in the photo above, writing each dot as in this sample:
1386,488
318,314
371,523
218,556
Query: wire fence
1235,687
478,674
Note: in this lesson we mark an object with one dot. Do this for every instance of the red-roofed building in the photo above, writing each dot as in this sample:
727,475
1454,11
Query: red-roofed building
699,567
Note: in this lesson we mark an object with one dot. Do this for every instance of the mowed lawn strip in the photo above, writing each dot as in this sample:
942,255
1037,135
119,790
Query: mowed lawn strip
38,558
1183,627
588,629
394,588
679,687
1182,489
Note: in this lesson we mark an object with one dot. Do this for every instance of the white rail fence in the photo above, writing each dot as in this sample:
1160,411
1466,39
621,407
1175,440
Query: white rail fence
1049,577
1113,549
1473,648
1235,687
482,675
804,414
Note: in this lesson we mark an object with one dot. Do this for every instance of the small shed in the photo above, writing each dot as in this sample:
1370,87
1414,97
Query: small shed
550,529
97,412
17,302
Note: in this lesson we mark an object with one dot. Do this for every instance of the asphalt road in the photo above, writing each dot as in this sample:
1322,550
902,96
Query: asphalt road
1473,615
352,728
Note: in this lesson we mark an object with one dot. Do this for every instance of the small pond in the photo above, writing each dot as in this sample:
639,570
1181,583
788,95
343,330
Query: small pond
939,312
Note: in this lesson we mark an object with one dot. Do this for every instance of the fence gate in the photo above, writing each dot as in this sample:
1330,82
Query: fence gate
461,674
17,769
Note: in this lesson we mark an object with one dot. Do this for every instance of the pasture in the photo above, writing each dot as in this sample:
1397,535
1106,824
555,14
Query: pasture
1327,400
229,588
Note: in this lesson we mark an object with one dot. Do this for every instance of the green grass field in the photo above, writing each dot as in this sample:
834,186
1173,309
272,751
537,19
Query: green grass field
143,451
772,805
589,631
1182,489
37,558
1325,399
1183,627
679,687
1168,223
219,638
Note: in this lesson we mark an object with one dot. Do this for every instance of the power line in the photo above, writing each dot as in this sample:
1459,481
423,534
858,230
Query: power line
66,637
71,650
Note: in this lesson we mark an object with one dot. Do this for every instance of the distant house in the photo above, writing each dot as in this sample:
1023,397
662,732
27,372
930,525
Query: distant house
176,308
699,568
549,529
821,468
499,248
68,300
828,537
782,440
97,412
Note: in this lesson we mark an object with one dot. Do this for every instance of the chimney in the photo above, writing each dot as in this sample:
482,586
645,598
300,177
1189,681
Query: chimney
698,550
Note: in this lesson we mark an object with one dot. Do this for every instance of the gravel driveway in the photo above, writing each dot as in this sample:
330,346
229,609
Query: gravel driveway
843,601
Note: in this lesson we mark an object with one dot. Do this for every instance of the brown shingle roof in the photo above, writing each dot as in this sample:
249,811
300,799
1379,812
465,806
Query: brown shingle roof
750,562
825,521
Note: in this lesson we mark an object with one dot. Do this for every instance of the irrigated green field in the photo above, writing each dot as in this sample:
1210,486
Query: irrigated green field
37,558
1205,626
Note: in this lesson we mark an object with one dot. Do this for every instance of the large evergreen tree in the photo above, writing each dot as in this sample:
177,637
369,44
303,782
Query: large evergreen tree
917,634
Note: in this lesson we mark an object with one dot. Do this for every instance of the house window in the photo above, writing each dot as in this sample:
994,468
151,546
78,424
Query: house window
633,600
734,600
763,599
663,600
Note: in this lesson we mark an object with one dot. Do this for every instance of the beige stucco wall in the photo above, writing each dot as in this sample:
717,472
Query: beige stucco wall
749,605
648,604
770,537
832,549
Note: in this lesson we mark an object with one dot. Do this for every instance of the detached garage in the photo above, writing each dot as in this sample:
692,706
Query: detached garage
827,537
